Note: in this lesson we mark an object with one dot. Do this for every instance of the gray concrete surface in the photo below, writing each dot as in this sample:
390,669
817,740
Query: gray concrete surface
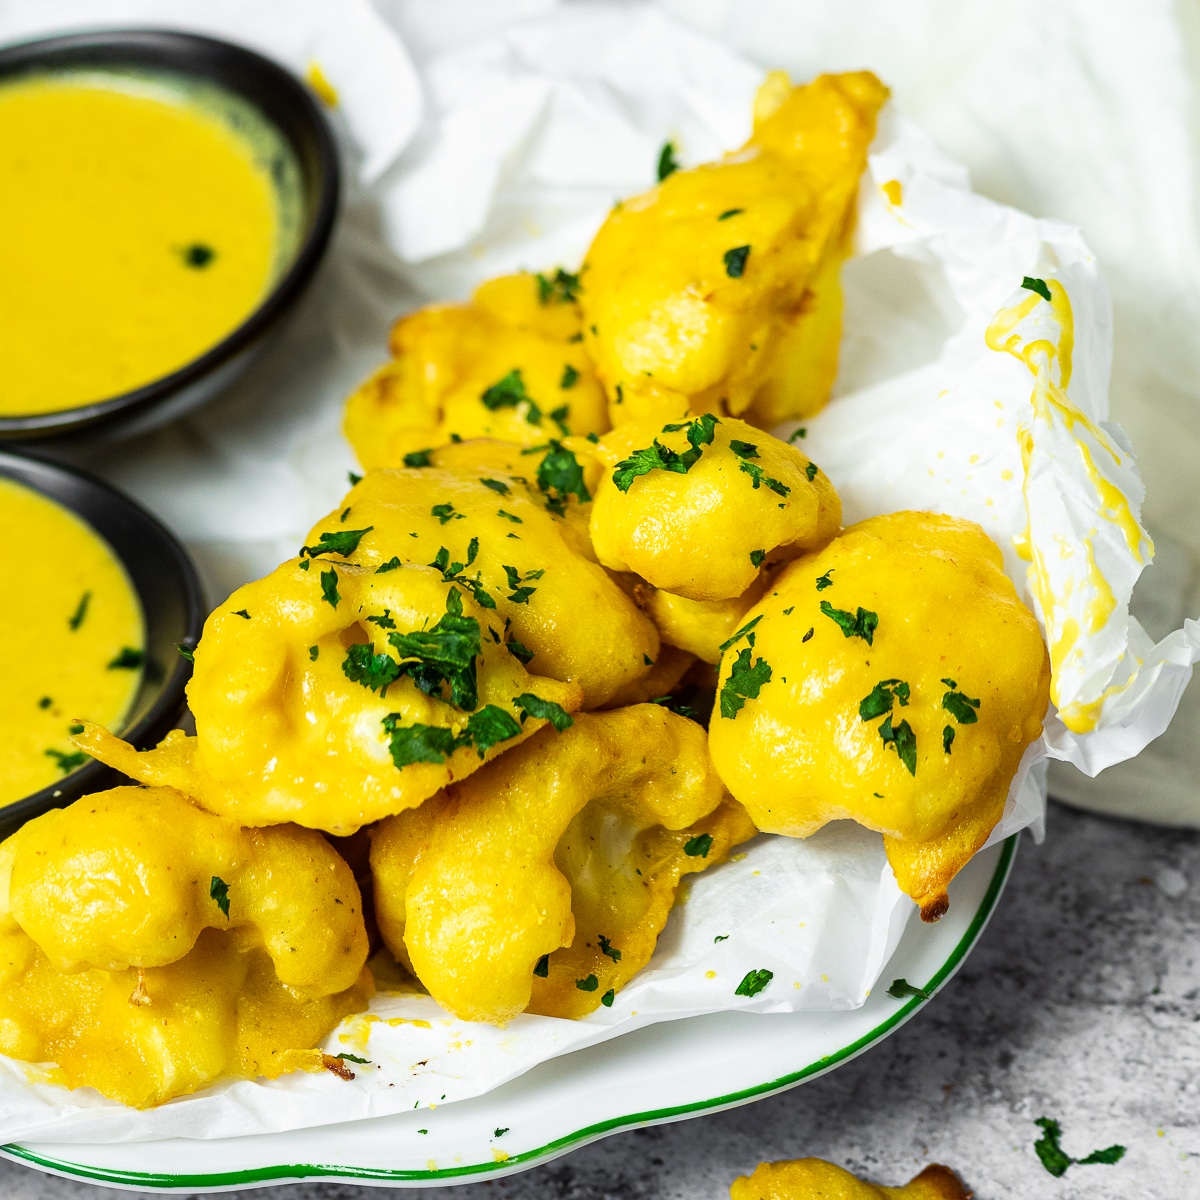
1082,1002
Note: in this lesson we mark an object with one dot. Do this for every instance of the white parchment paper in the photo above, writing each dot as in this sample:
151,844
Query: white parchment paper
526,138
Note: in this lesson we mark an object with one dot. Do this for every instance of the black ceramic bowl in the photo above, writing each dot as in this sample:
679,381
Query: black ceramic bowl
172,606
286,105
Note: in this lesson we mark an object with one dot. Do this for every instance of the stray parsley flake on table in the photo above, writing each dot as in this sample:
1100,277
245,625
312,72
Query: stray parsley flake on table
753,982
1056,1160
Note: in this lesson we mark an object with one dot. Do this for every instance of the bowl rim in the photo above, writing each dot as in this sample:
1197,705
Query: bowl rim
17,57
34,471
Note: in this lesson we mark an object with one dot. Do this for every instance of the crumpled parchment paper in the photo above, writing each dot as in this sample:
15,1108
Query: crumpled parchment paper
527,138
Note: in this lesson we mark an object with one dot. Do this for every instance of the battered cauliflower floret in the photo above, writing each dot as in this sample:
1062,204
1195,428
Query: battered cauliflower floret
700,627
815,1179
148,948
895,679
332,693
543,882
507,365
718,290
696,508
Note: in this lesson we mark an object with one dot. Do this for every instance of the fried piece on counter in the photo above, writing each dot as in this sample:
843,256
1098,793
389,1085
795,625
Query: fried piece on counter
696,508
895,678
507,365
718,290
815,1179
519,532
332,694
520,888
148,948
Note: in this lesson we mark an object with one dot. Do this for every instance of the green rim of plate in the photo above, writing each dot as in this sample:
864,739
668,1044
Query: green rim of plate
281,1173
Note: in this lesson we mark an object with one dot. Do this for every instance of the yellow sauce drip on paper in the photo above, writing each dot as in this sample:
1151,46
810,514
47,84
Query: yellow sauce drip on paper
148,231
56,647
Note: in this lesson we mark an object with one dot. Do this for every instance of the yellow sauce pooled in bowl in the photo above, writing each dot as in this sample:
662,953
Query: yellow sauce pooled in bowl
145,218
71,640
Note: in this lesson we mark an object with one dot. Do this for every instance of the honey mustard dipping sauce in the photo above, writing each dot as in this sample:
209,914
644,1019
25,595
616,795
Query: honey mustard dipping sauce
71,641
144,218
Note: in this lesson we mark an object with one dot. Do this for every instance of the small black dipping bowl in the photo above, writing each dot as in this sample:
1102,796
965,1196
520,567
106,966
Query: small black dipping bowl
172,606
286,104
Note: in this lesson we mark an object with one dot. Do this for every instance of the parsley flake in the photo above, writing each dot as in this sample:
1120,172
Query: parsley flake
45,702
543,710
520,592
1029,283
67,763
446,513
218,890
392,564
518,651
509,392
417,743
960,707
500,1132
362,1062
753,982
329,591
901,989
756,557
74,729
354,477
743,449
668,164
185,652
761,478
699,846
559,475
811,471
1056,1160
608,997
730,212
590,984
542,969
823,581
344,543
735,261
376,672
570,377
314,652
901,739
797,433
741,633
658,457
560,288
860,624
808,636
509,517
606,947
241,612
947,738
77,617
128,660
744,682
883,695
419,458
721,937
501,489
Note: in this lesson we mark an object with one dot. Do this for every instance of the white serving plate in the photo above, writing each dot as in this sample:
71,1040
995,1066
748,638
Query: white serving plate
666,1072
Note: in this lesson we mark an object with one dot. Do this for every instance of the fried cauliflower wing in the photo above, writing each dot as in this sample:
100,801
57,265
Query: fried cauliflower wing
697,507
507,365
718,290
815,1179
332,694
148,948
894,678
543,882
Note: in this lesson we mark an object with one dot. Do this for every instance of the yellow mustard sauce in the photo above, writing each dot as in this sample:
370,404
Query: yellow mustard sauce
142,229
71,641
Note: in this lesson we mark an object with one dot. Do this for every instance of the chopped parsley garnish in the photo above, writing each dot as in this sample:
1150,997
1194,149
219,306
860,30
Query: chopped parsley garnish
1056,1160
760,478
543,710
362,1062
501,489
883,695
1029,283
329,592
668,164
198,255
383,620
344,514
676,706
741,633
721,937
743,449
354,477
452,573
443,654
647,660
45,702
730,212
446,513
808,636
811,471
699,846
67,763
218,890
860,624
74,729
500,1132
376,672
947,738
658,457
314,652
608,997
241,612
606,947
753,982
559,475
756,557
343,542
735,261
128,660
901,989
959,706
518,651
744,682
542,969
559,417
823,581
488,727
570,377
417,743
901,739
419,458
590,984
185,652
392,564
509,517
560,288
509,392
797,433
520,592
77,617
